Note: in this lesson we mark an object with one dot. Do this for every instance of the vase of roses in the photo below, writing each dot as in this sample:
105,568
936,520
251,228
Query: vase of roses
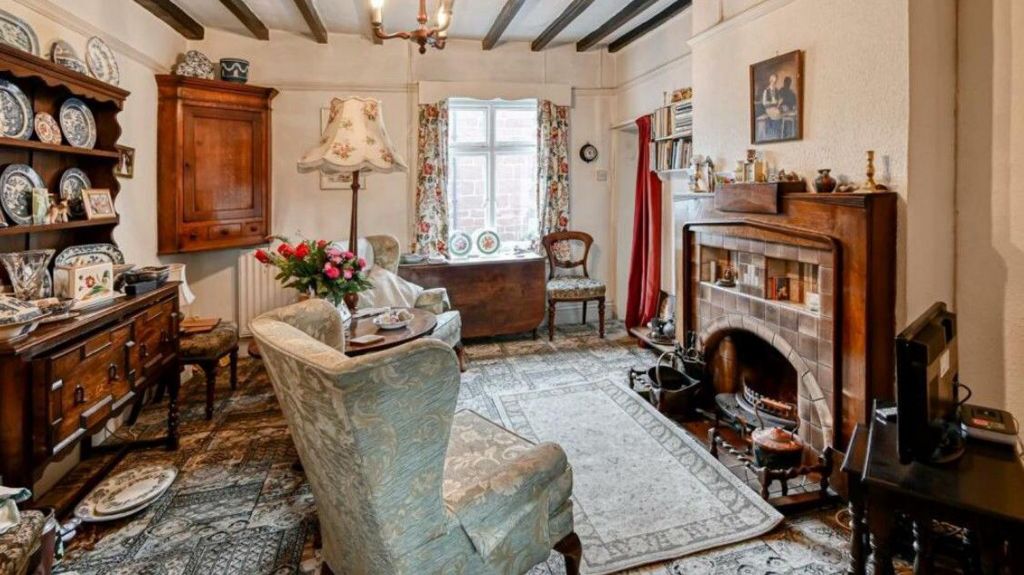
318,269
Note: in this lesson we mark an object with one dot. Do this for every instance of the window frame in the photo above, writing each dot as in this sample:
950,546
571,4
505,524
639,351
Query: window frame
490,148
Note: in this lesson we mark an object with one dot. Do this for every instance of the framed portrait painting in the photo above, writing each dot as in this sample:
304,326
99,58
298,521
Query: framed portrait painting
125,162
777,99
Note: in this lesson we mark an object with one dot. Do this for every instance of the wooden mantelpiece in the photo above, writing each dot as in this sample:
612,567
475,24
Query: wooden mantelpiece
862,227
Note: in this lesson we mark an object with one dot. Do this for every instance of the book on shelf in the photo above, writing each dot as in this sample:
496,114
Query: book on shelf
672,154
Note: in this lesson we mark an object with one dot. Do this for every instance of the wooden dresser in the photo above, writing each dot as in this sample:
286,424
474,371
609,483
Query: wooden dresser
214,158
66,380
494,296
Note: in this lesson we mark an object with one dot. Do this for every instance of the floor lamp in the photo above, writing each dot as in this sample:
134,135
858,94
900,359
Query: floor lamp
355,142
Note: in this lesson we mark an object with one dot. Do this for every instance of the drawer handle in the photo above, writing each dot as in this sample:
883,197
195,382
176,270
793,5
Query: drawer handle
112,373
193,235
79,395
143,351
224,231
163,337
254,229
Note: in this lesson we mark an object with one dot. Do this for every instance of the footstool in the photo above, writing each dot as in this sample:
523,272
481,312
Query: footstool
205,350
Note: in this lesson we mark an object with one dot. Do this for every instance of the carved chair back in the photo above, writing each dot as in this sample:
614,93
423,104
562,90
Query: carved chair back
559,247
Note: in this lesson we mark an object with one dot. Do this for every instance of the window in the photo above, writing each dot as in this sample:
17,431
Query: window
492,155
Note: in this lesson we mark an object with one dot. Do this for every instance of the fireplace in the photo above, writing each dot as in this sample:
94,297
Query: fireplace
794,310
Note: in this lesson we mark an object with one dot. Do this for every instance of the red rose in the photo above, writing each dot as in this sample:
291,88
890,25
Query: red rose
285,250
262,257
321,244
302,250
331,272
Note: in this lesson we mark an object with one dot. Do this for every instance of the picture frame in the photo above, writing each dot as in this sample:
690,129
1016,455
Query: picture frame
125,167
337,181
99,204
777,99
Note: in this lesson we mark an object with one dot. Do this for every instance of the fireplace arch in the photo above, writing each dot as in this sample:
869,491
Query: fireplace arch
814,413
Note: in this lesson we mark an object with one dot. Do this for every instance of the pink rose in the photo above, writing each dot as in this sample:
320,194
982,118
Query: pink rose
348,274
348,255
331,272
333,252
362,263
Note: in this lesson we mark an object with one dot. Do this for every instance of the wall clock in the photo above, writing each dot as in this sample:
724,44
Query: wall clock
588,153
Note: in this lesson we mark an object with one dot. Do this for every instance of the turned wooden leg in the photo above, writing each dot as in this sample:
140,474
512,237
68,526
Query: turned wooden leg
210,370
234,368
571,548
882,522
535,334
551,321
325,569
600,317
460,353
173,386
922,546
584,322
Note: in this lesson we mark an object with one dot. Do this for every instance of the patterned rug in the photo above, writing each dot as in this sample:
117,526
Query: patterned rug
239,508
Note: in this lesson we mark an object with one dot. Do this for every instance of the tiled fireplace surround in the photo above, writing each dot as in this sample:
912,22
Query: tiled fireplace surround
802,334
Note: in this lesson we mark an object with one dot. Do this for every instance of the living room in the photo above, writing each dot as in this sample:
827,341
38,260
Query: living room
510,286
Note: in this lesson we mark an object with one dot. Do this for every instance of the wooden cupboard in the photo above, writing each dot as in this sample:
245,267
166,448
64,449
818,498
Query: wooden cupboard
214,184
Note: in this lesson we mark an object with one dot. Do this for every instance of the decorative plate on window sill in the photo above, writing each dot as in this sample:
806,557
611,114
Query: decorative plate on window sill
487,242
460,244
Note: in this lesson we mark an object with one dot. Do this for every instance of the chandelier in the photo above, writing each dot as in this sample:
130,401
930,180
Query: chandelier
425,35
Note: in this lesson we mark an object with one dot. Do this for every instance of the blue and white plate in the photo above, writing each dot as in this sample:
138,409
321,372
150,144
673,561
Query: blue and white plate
72,182
77,123
101,61
16,115
87,254
16,184
460,244
16,32
487,242
64,54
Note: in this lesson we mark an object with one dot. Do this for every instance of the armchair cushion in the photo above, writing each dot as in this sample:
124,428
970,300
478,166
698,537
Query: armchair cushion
389,290
448,328
505,490
434,300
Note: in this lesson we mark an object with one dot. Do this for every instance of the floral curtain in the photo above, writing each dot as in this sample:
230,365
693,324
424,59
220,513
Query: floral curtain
432,181
553,168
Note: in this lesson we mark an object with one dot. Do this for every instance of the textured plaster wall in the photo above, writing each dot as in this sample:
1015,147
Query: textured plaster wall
990,202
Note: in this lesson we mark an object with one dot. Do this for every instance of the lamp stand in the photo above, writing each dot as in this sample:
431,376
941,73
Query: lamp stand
353,234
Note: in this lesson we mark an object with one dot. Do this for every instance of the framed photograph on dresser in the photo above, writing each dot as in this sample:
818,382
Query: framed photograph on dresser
98,204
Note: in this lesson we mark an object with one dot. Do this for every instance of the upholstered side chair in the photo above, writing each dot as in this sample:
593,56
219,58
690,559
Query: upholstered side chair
393,291
403,484
573,286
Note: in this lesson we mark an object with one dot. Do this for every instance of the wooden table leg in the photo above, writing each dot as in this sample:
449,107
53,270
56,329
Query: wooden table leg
173,387
881,521
922,546
858,554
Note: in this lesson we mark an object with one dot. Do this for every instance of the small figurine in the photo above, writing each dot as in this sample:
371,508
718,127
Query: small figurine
728,278
52,214
709,167
63,212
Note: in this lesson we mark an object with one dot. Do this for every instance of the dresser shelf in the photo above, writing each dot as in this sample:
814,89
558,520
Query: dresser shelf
37,146
18,229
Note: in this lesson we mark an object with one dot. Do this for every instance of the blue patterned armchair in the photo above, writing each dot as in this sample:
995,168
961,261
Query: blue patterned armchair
403,484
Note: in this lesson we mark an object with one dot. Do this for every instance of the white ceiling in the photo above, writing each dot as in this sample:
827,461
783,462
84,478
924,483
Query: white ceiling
473,18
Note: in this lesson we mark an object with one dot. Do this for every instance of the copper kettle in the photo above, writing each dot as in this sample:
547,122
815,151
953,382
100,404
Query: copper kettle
775,447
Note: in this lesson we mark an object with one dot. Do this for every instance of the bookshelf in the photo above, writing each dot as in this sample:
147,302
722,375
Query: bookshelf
672,135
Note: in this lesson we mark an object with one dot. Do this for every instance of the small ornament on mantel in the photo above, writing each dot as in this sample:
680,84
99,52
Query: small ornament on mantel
870,185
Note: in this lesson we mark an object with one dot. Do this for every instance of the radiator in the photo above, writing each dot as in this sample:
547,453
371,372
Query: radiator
258,291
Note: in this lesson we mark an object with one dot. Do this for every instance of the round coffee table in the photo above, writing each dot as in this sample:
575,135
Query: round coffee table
422,324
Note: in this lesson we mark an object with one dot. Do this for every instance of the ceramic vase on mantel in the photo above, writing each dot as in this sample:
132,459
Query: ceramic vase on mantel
825,183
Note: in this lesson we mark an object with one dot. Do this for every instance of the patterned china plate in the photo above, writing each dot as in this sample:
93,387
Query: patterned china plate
15,112
126,493
460,244
16,183
16,32
89,254
47,129
64,54
101,61
77,123
72,182
487,242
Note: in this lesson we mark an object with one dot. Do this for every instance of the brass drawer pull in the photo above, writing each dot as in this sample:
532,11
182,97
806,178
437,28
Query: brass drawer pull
112,373
79,395
143,350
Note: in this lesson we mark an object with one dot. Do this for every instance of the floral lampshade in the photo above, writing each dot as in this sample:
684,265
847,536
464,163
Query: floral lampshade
355,140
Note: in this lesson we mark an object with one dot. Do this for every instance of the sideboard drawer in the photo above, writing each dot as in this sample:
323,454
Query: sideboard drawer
82,385
154,333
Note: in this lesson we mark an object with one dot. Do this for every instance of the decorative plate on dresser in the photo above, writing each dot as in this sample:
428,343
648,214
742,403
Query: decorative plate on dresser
65,54
72,182
16,32
78,123
89,254
101,61
15,112
16,184
47,129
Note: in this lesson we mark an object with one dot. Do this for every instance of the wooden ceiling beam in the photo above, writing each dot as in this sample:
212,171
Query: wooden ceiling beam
174,17
505,17
660,18
313,19
248,18
617,21
563,20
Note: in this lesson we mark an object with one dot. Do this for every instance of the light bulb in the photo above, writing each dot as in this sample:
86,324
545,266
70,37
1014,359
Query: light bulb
377,6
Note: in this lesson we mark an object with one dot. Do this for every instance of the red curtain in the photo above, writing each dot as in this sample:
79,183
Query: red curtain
645,261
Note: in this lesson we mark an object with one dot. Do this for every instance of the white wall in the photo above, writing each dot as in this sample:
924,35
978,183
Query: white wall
990,202
308,75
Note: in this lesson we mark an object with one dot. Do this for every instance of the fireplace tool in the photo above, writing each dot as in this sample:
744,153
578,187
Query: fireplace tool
673,383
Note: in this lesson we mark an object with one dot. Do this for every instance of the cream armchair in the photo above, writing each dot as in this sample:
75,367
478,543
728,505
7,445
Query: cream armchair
393,291
403,484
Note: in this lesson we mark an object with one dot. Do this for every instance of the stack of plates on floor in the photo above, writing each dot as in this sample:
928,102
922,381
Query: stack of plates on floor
126,493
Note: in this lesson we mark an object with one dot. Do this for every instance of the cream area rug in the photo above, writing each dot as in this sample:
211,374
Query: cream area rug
644,491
